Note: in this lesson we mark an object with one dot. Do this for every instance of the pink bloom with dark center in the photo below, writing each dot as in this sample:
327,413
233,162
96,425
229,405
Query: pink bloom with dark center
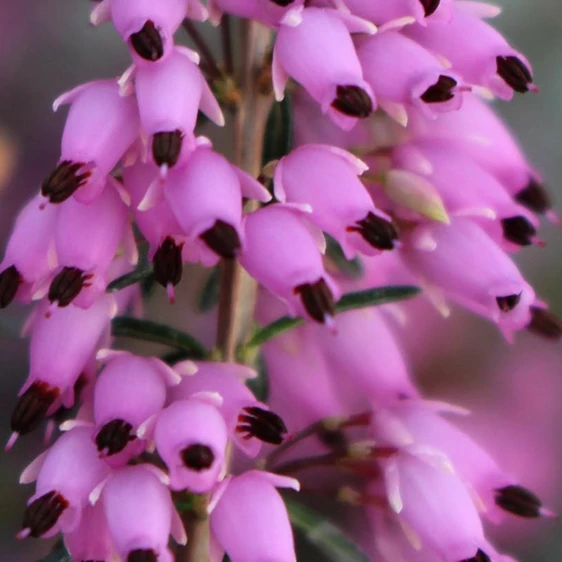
101,125
191,437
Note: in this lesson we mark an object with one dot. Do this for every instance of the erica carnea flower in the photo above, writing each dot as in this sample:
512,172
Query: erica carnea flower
248,420
249,503
491,62
146,27
397,175
298,277
101,125
169,95
313,175
140,514
401,12
319,54
86,240
128,392
191,437
61,345
66,475
30,255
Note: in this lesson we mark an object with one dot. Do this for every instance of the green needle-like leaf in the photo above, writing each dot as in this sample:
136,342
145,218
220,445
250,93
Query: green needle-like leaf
159,333
349,301
140,274
325,536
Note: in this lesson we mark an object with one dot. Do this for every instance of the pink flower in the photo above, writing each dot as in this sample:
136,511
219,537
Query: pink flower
480,134
86,240
169,95
30,257
319,54
396,13
434,503
249,421
158,225
91,539
101,125
128,392
461,262
140,514
364,353
61,347
66,474
205,196
148,27
250,520
314,175
404,74
468,189
191,437
478,52
282,254
301,383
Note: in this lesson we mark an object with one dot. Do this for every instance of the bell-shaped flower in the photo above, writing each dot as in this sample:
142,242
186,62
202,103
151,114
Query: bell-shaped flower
434,504
91,540
86,241
319,54
301,384
250,520
169,96
61,346
191,437
481,135
269,12
205,196
30,255
66,474
128,392
413,422
282,253
468,189
403,74
397,13
100,127
158,225
140,514
249,421
146,26
478,52
462,262
325,178
378,372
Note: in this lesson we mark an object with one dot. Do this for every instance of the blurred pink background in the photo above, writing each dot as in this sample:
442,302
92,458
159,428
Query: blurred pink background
47,46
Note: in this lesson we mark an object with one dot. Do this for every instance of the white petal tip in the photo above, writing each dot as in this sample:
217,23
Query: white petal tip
11,442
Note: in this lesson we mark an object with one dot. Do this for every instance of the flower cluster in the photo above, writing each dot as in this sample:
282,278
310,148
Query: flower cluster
411,175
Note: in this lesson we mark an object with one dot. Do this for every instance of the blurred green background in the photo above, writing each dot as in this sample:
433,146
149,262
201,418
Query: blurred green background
48,46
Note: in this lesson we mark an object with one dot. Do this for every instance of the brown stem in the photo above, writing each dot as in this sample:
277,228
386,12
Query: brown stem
326,424
237,289
226,38
209,59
